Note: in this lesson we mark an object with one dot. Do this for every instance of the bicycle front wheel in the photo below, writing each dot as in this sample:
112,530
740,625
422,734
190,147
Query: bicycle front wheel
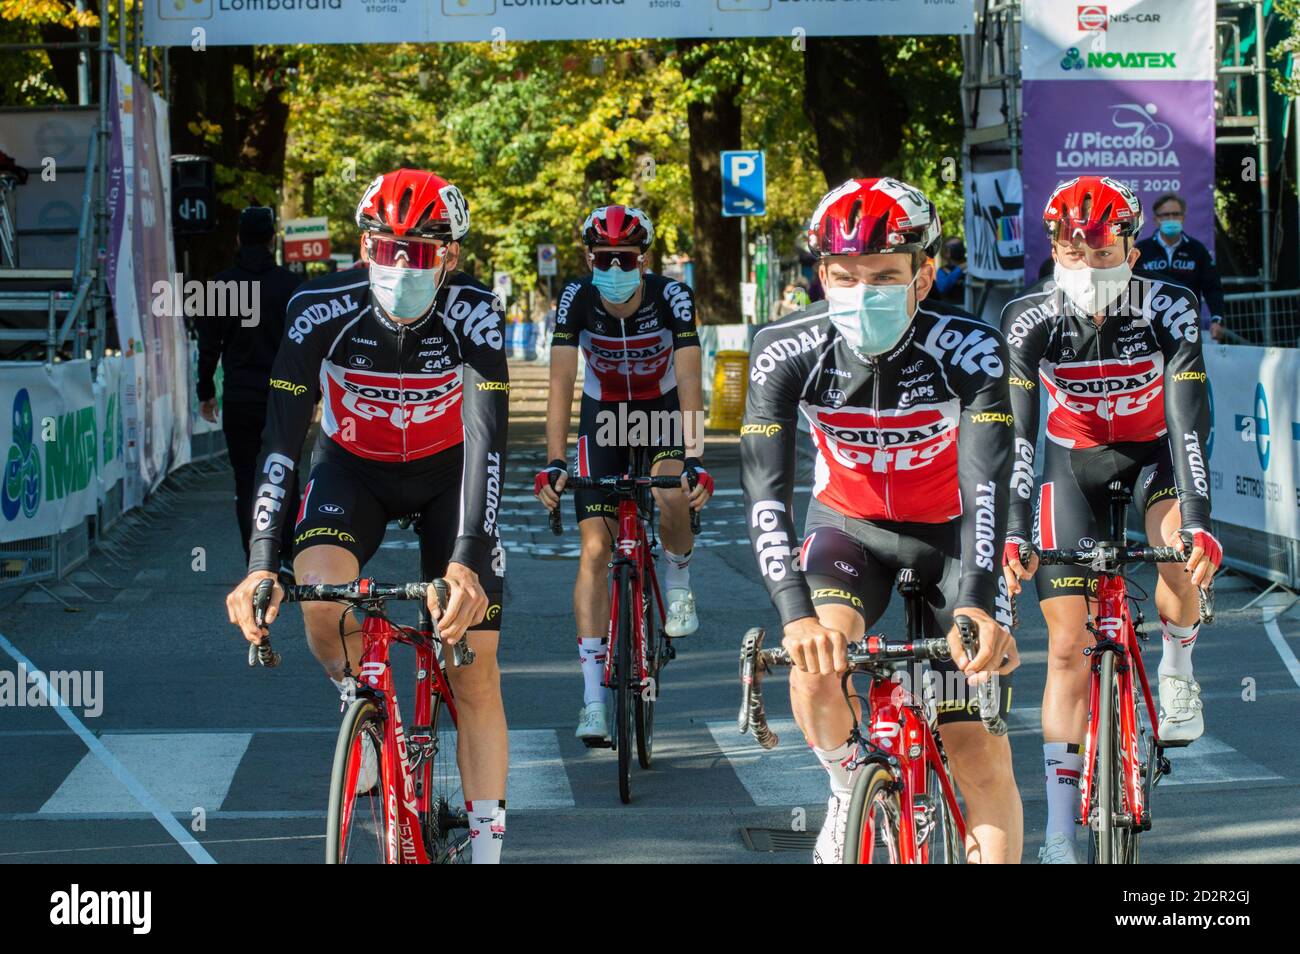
357,826
872,835
1113,842
625,688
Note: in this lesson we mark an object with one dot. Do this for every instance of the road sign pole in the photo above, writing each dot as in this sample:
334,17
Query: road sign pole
744,256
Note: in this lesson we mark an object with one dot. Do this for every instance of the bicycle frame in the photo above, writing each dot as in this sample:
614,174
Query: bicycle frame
632,550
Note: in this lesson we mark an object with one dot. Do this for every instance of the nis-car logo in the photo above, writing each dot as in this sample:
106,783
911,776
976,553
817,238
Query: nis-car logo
1092,16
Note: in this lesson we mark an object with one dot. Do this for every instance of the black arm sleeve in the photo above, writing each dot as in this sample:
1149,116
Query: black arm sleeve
295,386
568,317
1026,343
984,477
1187,407
767,474
485,410
681,302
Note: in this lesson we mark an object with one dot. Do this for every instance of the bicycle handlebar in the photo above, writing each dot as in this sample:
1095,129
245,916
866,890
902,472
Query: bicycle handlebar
623,484
360,592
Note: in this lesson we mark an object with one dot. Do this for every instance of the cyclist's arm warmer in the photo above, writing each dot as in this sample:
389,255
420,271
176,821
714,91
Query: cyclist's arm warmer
1187,408
568,317
485,409
983,477
681,303
289,407
1025,351
767,472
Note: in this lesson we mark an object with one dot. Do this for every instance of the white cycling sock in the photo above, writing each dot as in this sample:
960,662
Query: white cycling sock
677,574
1176,657
487,829
591,654
833,761
1062,764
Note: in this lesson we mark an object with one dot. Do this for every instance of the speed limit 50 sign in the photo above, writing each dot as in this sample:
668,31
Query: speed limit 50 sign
307,240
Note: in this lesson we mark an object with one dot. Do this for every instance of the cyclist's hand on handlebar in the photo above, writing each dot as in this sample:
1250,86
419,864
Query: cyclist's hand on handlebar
239,604
467,604
1013,569
997,648
1206,555
697,482
814,648
549,483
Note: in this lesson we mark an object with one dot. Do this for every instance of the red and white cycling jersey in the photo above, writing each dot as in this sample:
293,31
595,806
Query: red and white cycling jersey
388,416
1093,403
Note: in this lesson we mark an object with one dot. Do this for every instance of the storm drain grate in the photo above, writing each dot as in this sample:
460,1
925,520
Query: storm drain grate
778,839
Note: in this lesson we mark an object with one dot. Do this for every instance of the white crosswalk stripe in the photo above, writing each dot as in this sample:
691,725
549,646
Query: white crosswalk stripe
786,775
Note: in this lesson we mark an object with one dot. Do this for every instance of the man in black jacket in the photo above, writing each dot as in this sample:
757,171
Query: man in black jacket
1171,255
246,350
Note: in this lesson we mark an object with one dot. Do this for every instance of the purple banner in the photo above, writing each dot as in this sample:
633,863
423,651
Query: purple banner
1155,135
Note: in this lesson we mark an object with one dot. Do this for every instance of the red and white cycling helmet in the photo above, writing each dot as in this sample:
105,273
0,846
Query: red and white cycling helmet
618,225
874,216
414,203
1096,210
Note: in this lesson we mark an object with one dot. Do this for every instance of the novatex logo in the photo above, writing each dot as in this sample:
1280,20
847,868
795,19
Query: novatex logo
22,478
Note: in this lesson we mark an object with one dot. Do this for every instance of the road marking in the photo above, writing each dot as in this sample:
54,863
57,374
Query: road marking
537,778
185,771
1209,760
115,767
786,775
1279,643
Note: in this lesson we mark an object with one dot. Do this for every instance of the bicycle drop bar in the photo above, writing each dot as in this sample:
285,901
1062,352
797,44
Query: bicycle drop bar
989,701
755,661
623,486
359,592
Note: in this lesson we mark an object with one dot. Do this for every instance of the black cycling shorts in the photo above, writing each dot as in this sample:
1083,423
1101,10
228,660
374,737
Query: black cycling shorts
1073,507
348,502
607,431
855,563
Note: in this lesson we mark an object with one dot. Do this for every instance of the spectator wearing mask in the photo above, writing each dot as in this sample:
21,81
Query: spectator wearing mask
245,346
950,276
1172,255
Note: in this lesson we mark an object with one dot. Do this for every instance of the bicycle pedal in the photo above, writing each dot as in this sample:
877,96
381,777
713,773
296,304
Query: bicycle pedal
598,743
669,651
1176,744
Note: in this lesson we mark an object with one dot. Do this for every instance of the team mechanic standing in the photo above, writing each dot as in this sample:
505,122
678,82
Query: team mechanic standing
1120,359
411,369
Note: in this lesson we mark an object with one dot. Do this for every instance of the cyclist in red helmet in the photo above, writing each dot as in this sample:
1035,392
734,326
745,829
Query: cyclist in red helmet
909,414
637,333
407,360
1119,359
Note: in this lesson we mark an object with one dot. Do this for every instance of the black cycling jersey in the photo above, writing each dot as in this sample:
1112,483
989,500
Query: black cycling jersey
1140,377
1189,263
921,434
628,359
391,393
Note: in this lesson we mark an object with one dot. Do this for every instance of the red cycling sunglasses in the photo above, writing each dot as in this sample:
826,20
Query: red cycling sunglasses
385,250
606,258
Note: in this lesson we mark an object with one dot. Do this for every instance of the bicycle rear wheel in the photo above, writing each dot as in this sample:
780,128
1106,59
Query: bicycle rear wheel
939,831
357,825
648,694
871,836
446,826
625,690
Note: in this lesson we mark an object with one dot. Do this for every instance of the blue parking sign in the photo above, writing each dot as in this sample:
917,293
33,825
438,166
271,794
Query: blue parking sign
744,183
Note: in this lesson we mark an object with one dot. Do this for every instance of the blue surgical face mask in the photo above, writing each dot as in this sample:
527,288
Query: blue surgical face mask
871,318
1171,228
616,285
404,292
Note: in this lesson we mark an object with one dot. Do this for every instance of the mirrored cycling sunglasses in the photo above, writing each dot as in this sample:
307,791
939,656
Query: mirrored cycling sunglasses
606,258
1097,235
384,250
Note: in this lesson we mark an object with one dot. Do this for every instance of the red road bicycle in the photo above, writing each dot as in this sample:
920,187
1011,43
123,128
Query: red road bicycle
415,813
903,806
1123,756
638,650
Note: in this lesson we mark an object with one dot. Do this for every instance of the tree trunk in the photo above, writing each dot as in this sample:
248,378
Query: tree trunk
714,125
856,115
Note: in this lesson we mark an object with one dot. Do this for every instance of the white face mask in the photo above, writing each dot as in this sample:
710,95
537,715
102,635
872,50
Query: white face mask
1092,290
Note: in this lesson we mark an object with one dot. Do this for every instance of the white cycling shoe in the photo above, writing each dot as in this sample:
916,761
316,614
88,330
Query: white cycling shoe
593,723
829,849
368,777
1058,850
681,620
1181,721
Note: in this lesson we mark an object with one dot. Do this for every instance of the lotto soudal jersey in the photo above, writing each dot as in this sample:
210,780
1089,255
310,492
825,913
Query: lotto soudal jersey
628,359
389,393
921,434
1138,377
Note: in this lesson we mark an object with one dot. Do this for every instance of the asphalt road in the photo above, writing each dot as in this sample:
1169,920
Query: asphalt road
186,740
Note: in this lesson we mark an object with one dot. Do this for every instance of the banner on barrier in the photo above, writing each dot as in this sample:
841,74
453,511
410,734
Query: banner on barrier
236,22
1254,444
50,438
995,242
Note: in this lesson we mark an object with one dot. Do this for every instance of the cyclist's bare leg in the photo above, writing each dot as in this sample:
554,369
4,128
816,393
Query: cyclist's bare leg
482,748
1065,697
817,700
674,513
591,591
1176,598
328,564
981,763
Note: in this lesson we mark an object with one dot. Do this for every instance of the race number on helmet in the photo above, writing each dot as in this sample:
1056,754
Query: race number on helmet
618,225
1094,210
411,202
872,216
